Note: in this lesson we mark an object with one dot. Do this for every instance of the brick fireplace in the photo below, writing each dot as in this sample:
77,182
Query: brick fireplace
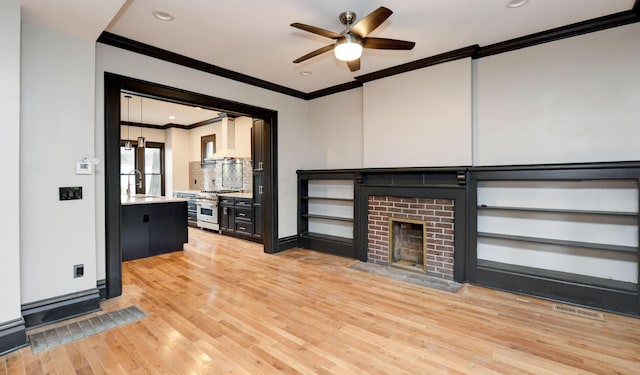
437,217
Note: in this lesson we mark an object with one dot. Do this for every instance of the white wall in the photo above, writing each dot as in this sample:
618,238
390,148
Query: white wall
335,131
176,160
573,100
420,118
57,115
9,153
292,118
243,136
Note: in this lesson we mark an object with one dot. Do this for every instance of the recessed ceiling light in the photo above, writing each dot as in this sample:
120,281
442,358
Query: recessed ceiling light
197,107
162,16
516,3
305,73
172,117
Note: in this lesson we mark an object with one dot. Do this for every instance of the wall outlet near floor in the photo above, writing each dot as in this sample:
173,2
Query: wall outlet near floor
78,270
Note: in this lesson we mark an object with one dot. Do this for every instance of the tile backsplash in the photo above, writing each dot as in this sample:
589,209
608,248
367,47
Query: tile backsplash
224,174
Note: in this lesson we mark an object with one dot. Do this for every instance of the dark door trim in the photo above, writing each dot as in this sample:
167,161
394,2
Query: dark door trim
113,84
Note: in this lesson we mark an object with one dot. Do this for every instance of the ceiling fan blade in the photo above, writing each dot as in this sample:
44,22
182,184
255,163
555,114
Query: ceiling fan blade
384,43
314,53
369,23
354,65
316,30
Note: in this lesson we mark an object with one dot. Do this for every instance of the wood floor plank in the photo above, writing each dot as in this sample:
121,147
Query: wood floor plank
222,306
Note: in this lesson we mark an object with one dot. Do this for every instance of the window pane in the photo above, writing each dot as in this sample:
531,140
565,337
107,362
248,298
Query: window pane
152,160
127,160
153,182
127,181
127,164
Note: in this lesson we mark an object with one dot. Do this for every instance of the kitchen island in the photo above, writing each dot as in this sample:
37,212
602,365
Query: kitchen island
152,225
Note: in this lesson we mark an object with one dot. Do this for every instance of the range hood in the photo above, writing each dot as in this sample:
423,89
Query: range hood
225,149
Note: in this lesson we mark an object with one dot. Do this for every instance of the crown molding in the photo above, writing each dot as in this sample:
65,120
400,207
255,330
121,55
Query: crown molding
568,31
162,54
419,64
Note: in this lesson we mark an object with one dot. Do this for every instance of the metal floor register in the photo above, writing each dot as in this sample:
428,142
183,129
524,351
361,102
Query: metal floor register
65,334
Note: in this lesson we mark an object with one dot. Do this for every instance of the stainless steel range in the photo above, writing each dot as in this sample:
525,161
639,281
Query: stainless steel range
207,206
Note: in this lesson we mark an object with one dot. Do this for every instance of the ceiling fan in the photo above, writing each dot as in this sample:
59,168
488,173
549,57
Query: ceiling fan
350,42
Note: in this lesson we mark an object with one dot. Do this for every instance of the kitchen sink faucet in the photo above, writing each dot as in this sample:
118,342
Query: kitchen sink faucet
138,184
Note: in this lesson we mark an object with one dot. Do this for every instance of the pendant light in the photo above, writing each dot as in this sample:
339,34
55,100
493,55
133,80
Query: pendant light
127,143
141,138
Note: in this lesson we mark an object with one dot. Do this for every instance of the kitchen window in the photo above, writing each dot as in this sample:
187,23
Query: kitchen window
149,161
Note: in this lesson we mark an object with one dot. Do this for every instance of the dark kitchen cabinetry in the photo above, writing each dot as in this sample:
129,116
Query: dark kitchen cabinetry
192,210
152,229
258,158
257,146
257,206
237,217
226,214
135,231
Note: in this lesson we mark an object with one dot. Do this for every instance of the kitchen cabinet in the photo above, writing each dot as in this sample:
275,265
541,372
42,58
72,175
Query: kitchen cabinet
152,229
257,206
226,214
257,145
237,217
192,211
258,157
135,232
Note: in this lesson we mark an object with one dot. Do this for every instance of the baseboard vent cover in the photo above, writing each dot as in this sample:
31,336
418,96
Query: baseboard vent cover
65,334
577,311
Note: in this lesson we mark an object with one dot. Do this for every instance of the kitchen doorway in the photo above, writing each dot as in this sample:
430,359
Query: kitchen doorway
114,85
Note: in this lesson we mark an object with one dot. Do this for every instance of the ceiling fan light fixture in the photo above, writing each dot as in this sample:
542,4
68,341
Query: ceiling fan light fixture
348,48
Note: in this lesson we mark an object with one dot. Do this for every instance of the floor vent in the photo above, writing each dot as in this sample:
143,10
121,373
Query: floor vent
65,334
577,311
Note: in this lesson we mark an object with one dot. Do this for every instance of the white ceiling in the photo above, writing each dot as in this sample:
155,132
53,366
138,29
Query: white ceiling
158,112
253,37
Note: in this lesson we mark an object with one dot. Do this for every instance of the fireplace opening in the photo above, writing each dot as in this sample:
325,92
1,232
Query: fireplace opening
408,244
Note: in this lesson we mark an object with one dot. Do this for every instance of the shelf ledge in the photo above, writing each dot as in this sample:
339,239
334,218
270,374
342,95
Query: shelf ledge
326,217
329,199
548,241
558,210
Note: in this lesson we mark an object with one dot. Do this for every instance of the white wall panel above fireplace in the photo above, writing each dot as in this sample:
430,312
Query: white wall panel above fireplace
573,100
419,118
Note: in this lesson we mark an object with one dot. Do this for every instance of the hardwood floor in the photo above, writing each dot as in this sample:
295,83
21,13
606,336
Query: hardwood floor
223,306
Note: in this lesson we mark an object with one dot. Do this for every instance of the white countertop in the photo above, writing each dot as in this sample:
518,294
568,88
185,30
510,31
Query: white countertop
237,195
187,191
146,199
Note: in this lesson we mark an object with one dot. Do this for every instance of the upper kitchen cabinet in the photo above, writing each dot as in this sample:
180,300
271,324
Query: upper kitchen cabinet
257,146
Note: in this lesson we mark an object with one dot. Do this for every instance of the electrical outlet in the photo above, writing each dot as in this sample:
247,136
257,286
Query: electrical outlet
78,270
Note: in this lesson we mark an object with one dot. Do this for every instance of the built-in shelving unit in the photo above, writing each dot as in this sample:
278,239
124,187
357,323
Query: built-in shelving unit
571,236
326,211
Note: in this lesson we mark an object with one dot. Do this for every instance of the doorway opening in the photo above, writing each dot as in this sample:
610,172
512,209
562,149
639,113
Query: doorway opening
114,86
